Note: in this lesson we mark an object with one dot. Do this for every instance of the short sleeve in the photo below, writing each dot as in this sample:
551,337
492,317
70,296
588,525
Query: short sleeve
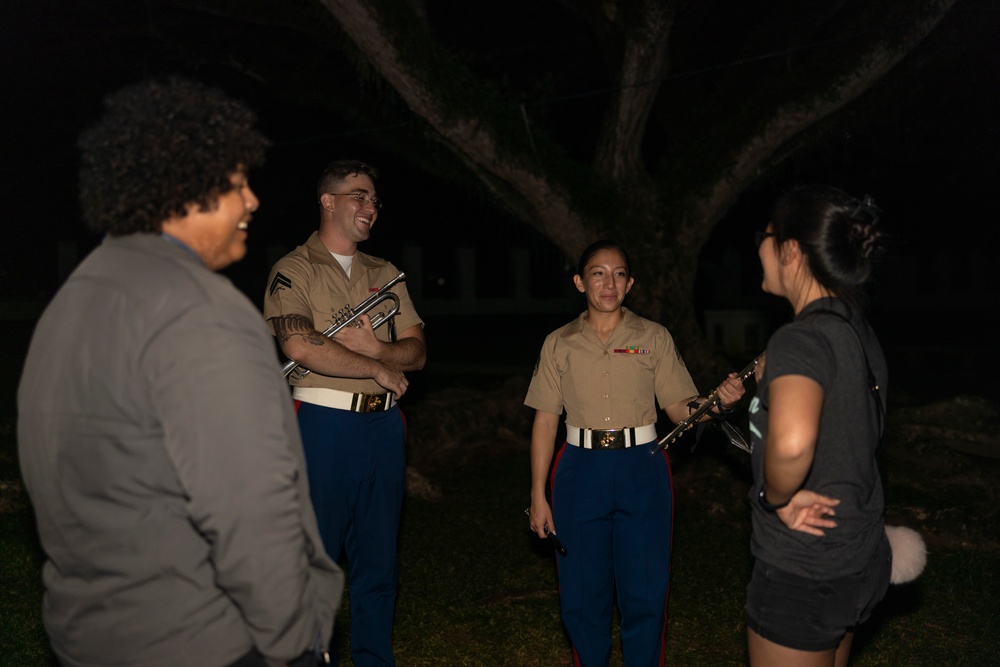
800,350
288,289
545,390
673,380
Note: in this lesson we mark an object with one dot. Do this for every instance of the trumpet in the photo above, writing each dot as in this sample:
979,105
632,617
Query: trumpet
711,401
348,316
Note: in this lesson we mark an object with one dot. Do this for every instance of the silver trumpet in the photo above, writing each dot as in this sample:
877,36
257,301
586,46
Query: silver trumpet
348,316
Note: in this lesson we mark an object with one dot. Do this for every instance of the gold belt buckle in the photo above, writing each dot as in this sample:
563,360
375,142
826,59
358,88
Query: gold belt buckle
372,402
611,439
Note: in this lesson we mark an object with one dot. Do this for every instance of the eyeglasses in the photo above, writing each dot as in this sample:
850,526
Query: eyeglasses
759,237
363,197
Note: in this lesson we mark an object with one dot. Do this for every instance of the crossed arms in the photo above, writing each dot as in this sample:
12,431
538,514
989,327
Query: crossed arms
354,352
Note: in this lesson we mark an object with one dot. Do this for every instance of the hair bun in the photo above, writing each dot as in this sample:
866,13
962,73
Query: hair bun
865,234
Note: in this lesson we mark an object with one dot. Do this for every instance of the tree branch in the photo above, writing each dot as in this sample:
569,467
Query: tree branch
791,119
644,64
634,38
469,130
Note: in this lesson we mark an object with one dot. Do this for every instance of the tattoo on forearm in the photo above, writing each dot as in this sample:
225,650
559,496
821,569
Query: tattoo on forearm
287,326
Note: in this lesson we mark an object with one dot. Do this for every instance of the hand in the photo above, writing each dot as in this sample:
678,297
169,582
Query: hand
391,379
806,512
730,392
360,338
540,518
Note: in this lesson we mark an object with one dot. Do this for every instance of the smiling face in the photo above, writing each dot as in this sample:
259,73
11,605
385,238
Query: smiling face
605,281
218,235
346,221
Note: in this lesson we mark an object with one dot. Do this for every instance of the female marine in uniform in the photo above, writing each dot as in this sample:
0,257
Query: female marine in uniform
612,502
822,557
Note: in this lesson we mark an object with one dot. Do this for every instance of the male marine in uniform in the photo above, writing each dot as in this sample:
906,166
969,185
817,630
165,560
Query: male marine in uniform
352,429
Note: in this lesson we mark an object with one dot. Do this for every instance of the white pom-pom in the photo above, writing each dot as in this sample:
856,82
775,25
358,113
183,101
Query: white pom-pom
909,554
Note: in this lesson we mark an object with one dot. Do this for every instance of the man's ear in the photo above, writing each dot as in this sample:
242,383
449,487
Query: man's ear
326,201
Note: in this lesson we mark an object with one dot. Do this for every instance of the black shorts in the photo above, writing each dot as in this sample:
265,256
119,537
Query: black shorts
811,615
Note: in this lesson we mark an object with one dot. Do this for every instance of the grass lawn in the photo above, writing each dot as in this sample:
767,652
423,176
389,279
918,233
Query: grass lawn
479,589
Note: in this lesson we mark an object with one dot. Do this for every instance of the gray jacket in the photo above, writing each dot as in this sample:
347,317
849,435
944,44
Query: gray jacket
161,452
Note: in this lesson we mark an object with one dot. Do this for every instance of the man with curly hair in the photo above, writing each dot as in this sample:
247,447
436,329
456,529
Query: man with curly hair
156,438
352,429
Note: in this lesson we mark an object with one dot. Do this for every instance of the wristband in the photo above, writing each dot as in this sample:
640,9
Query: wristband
723,413
768,506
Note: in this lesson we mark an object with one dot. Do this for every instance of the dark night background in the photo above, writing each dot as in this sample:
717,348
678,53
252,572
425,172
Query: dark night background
924,142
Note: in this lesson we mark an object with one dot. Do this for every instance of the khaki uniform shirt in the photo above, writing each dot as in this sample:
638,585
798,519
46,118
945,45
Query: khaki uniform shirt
609,385
309,281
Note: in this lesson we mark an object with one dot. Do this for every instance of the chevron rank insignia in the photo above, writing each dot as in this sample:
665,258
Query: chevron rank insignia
280,282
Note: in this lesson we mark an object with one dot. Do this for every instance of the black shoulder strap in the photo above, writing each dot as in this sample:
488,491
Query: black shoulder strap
872,381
